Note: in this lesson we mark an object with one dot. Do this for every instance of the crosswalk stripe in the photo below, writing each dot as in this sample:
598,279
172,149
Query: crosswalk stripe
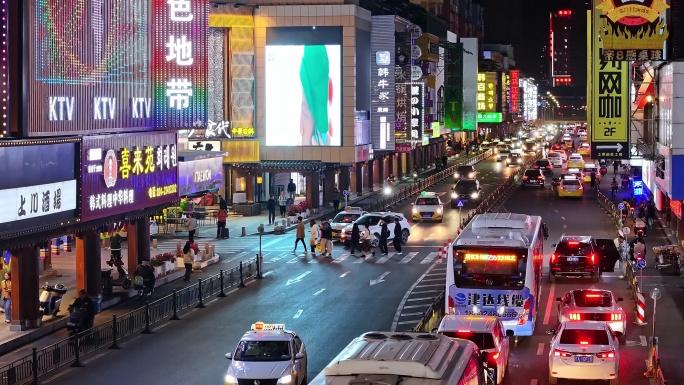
430,257
341,258
276,258
293,260
359,259
385,258
408,258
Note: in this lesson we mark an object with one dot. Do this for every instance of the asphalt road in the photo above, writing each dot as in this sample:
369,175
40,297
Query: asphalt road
330,298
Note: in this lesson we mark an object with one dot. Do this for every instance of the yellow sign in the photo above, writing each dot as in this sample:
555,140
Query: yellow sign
241,151
632,32
609,101
486,91
156,192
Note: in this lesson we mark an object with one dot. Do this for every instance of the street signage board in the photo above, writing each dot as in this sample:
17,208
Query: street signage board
459,204
641,263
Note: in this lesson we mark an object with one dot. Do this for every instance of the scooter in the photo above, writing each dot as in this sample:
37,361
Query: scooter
51,299
144,287
122,280
78,320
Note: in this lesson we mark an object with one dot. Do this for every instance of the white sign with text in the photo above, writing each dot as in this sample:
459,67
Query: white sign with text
37,201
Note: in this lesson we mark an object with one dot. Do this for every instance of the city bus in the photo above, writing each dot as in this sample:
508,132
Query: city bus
494,268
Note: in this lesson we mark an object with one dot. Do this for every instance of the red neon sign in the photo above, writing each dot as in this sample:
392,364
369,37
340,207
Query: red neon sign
515,91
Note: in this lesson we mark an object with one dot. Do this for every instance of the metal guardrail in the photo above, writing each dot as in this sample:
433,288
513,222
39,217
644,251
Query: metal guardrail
435,312
139,321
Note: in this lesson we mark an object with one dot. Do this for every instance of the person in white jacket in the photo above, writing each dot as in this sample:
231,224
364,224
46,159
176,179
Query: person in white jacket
366,240
314,236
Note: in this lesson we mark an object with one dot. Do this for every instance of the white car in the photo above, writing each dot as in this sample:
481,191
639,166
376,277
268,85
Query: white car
487,332
555,158
428,207
593,305
583,136
373,220
268,354
584,350
343,219
502,154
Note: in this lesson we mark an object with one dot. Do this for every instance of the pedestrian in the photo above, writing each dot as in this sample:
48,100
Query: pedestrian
616,165
592,180
367,238
270,206
188,259
599,176
336,199
613,188
191,223
292,189
299,235
355,238
384,235
223,205
396,241
650,214
221,217
623,249
326,238
314,236
7,296
282,203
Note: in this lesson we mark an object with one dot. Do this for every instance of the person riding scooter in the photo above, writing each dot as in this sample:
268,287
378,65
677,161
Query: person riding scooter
82,313
144,284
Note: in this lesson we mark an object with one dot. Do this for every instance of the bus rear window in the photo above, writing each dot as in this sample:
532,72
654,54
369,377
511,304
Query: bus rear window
500,267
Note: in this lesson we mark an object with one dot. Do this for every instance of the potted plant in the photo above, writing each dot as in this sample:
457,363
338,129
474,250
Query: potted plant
158,265
169,262
292,213
305,208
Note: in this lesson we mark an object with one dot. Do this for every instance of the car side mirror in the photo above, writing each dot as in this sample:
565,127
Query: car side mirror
551,332
554,245
510,333
299,356
559,299
229,356
620,299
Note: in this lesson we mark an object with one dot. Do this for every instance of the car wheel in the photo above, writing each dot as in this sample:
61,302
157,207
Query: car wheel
404,236
305,380
374,243
552,278
552,380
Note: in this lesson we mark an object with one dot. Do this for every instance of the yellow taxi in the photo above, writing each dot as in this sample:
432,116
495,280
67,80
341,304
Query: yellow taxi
428,207
584,149
588,169
570,187
575,161
576,172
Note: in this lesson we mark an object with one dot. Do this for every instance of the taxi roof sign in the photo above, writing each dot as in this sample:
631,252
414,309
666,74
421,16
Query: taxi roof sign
260,326
425,193
350,208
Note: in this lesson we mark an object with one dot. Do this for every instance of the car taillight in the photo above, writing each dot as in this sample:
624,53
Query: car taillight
524,176
561,353
494,356
540,177
536,166
606,354
553,257
562,187
593,258
451,306
549,166
575,317
616,317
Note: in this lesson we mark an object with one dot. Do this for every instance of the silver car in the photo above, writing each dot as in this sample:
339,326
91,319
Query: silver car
593,305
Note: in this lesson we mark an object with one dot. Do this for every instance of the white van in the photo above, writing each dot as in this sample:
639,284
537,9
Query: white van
390,358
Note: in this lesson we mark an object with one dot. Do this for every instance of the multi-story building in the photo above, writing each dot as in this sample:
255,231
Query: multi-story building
564,50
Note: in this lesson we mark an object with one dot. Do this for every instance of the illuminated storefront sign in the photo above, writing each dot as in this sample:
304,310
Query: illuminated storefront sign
200,175
486,92
180,64
204,145
124,173
489,117
490,258
417,111
453,86
37,201
514,92
633,31
402,78
505,86
241,151
383,92
530,98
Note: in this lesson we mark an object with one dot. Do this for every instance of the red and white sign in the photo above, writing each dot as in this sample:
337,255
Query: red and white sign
515,92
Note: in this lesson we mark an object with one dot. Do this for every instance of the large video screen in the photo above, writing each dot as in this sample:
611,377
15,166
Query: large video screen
303,95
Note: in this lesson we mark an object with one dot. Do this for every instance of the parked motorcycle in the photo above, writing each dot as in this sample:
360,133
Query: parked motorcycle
79,320
51,299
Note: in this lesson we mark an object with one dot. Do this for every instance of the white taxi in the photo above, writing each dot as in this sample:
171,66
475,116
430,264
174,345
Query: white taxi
584,350
428,207
344,219
267,354
593,305
486,332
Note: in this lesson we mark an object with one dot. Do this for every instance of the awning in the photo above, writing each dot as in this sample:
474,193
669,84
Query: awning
282,165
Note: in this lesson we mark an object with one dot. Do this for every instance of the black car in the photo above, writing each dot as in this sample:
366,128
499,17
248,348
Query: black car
576,257
466,190
544,165
533,177
465,172
514,159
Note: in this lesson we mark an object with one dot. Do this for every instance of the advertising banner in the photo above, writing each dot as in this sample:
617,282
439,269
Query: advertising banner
241,151
486,92
505,304
180,64
632,30
453,86
514,92
200,175
417,110
383,88
402,76
42,190
609,104
470,48
124,173
489,117
505,92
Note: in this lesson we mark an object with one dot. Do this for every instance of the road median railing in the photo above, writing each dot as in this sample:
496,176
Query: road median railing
110,334
435,312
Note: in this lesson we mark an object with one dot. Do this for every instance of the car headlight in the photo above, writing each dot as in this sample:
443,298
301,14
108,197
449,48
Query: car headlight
454,195
229,379
439,210
456,175
474,195
519,160
286,379
471,175
508,161
415,210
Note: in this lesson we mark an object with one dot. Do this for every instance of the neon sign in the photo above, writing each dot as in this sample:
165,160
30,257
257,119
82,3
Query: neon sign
490,258
156,192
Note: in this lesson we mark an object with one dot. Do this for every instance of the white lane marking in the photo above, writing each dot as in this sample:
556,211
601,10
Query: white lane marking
298,313
380,279
533,381
563,218
267,273
420,299
433,291
293,260
432,285
276,258
643,340
434,279
430,257
555,210
549,304
408,258
360,260
411,314
385,258
298,278
540,349
401,306
319,292
345,274
313,260
341,258
267,244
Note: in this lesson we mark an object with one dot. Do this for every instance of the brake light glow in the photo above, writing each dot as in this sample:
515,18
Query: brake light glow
464,331
540,177
524,176
553,257
592,295
495,356
573,243
451,305
575,317
584,342
548,166
616,317
593,258
561,353
608,354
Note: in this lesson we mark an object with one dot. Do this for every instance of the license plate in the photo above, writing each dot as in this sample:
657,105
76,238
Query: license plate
427,215
571,189
573,259
584,359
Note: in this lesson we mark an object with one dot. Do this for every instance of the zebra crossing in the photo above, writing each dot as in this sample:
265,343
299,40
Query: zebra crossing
221,246
422,258
419,298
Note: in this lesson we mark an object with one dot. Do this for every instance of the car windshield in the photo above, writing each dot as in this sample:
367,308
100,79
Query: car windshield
501,146
532,173
554,155
573,248
370,220
345,218
427,201
262,351
466,185
465,169
588,298
584,337
542,163
483,341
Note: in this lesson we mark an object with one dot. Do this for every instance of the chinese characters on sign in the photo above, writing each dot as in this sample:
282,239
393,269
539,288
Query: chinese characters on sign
402,77
514,92
417,110
453,86
160,157
486,92
37,201
505,87
180,62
